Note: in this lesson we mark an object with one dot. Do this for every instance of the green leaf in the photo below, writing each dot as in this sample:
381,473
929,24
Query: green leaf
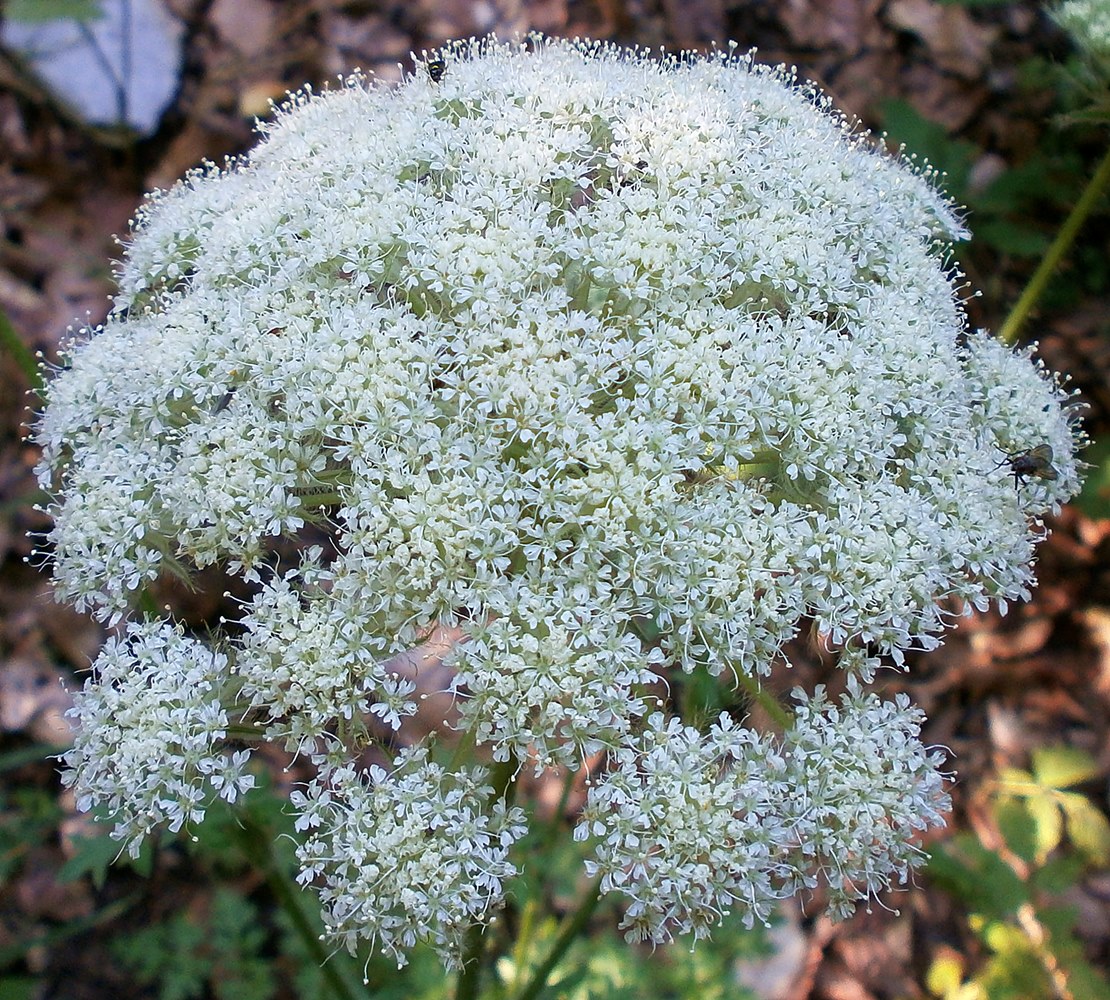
1084,980
1062,767
925,138
703,696
38,11
1088,828
1059,874
977,876
1014,238
1048,825
1019,825
12,343
1011,776
1066,947
1005,939
91,856
1094,498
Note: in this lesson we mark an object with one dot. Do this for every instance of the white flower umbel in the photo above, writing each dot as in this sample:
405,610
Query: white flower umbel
406,856
862,789
151,733
614,367
690,827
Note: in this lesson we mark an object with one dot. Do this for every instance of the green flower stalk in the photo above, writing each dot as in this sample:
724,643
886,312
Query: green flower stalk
610,366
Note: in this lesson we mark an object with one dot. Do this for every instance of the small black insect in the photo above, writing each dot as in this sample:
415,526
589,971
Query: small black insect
1035,462
224,402
436,69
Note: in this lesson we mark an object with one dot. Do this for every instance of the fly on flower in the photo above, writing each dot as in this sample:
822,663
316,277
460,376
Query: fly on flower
1036,462
436,69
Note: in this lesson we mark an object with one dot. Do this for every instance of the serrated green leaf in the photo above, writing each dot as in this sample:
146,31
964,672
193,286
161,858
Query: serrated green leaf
91,856
977,876
1048,825
1088,828
38,11
1062,767
1018,824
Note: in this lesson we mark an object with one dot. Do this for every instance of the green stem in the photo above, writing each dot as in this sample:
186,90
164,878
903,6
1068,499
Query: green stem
573,925
545,843
470,974
766,701
312,500
1055,253
21,355
754,470
523,940
259,846
466,744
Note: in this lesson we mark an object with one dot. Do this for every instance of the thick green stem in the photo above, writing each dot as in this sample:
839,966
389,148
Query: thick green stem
258,843
545,843
573,925
246,733
1055,253
11,342
766,701
757,470
310,501
470,974
523,940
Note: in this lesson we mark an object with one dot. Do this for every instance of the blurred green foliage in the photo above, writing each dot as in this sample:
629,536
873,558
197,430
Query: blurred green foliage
37,11
222,935
1015,900
1015,211
1094,500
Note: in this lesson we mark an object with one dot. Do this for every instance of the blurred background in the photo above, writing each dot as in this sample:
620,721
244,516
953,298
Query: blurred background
101,100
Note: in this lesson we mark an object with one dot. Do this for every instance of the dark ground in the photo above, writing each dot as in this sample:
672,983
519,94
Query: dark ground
998,689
